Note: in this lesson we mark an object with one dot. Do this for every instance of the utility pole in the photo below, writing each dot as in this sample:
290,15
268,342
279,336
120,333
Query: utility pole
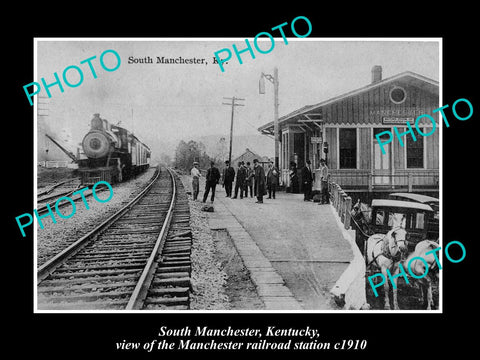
275,117
233,104
274,80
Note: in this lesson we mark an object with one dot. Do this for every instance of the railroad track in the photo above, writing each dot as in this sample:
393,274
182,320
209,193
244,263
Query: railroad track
49,189
56,191
60,192
137,259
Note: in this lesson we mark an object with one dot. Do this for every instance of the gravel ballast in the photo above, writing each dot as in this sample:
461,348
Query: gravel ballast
208,280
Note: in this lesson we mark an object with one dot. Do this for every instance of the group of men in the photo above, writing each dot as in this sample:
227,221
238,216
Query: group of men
245,179
255,180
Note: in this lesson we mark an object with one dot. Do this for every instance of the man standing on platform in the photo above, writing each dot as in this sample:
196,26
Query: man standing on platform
240,182
259,181
249,180
212,177
228,177
272,180
324,181
307,179
195,180
293,177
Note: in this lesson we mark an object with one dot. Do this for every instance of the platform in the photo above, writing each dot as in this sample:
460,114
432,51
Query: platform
286,241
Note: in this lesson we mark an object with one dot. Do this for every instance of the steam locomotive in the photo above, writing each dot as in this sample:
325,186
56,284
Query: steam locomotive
113,153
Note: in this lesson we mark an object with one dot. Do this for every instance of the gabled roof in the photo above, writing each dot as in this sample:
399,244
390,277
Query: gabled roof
247,150
261,159
314,111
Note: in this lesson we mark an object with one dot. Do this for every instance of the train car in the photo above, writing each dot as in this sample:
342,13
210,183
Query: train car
113,154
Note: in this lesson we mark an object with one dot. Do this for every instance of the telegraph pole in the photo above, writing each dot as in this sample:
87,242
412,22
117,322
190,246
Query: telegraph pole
274,80
275,117
232,104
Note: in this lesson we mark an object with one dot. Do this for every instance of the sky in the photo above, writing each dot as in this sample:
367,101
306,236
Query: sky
165,103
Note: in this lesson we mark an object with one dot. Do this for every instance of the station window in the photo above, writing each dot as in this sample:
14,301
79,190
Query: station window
348,148
415,152
397,95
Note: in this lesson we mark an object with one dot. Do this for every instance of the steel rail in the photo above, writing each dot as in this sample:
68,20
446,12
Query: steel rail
50,265
66,193
141,289
44,208
53,187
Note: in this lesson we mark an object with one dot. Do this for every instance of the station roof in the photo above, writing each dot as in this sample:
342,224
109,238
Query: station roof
313,114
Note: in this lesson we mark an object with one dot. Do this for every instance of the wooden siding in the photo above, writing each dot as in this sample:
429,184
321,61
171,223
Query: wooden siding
416,179
357,109
365,148
433,150
331,138
399,151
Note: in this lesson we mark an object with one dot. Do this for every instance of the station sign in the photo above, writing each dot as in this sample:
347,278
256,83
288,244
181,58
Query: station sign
397,120
316,139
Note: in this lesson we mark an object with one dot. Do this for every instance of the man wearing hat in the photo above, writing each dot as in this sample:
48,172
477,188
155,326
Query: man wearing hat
195,180
324,181
249,180
212,177
240,181
228,177
272,179
307,179
259,181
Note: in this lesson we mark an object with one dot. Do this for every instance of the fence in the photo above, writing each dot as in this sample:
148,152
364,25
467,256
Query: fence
402,179
341,202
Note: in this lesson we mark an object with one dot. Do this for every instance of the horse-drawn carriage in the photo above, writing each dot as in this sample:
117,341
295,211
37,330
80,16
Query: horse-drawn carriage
434,203
420,220
392,231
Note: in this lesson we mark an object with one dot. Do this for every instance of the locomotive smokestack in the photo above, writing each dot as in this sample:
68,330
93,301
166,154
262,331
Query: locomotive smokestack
96,122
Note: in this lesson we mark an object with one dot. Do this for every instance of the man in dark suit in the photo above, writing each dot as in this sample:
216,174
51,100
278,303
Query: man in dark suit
272,179
240,181
259,181
249,180
228,177
212,177
307,178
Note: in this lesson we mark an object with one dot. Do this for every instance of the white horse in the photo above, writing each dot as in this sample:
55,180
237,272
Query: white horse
417,267
385,251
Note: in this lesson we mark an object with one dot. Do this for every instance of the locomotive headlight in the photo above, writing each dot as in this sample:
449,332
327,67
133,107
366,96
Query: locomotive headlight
96,144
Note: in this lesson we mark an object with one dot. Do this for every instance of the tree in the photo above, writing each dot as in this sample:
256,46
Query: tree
180,155
187,153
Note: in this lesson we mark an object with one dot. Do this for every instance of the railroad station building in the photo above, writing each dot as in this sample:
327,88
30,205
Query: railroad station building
342,131
248,156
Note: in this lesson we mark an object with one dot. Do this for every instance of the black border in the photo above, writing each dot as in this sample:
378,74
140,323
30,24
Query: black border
57,335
